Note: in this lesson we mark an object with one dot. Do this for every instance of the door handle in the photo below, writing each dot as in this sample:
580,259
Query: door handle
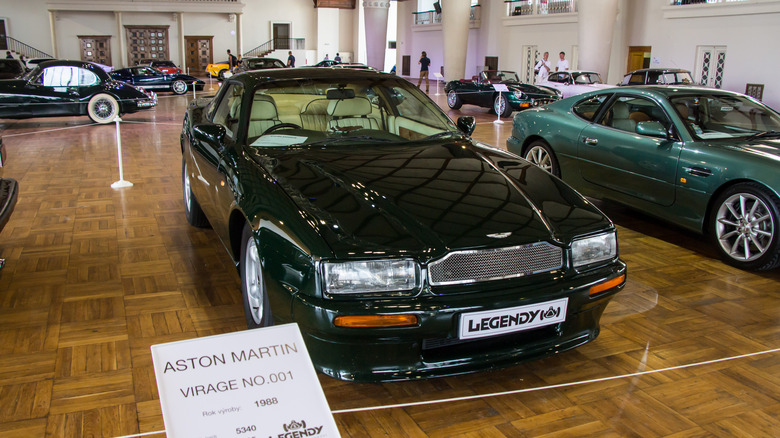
591,141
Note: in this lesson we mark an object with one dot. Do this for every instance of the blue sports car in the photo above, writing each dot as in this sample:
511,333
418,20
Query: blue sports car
153,79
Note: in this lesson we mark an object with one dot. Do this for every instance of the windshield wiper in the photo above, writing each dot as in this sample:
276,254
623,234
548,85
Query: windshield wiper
764,134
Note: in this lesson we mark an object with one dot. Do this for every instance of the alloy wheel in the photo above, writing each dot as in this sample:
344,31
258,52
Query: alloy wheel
254,283
744,227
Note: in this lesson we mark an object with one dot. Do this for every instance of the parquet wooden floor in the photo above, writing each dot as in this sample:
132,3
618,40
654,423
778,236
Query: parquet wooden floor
94,276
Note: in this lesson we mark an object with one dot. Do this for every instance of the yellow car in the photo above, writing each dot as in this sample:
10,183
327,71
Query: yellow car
218,69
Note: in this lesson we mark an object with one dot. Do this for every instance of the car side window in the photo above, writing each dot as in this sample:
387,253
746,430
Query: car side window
637,79
67,76
228,111
588,108
626,112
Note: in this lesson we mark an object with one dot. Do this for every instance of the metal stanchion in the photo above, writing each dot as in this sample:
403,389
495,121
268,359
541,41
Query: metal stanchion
193,89
498,120
121,183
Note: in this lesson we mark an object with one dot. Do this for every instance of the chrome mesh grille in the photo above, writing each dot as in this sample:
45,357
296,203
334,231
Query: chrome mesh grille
494,264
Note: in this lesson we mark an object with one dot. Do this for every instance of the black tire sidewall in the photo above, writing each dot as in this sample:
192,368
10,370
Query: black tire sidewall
771,257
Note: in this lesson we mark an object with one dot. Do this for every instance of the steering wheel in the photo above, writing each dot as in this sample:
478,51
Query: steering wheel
280,126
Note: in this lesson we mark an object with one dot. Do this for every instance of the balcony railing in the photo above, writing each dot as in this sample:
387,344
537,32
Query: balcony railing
433,17
539,7
16,46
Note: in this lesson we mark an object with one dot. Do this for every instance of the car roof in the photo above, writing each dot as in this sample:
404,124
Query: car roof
303,73
666,91
94,68
644,70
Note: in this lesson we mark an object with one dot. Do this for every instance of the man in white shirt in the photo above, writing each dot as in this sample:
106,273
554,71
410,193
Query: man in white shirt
543,68
563,64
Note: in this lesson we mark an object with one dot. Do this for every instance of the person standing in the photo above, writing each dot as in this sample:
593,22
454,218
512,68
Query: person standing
290,59
8,55
563,64
543,67
337,58
232,61
326,57
424,63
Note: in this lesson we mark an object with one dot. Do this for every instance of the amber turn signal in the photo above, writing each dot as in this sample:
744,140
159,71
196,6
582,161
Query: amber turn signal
601,287
372,321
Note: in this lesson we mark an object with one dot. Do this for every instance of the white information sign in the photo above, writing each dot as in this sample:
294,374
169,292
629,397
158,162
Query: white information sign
500,87
250,384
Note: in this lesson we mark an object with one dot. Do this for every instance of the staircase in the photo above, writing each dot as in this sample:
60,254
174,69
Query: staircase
15,46
276,44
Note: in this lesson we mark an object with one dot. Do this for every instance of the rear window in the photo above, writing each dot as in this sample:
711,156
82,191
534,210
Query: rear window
588,108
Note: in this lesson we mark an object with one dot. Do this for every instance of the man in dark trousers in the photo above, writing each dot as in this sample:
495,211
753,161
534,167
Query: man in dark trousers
290,59
424,63
232,61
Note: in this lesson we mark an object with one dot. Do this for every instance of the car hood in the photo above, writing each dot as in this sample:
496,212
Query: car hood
529,89
764,149
426,199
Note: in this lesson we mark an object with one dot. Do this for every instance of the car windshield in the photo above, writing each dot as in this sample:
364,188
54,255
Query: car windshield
255,64
328,111
164,64
714,116
587,78
495,76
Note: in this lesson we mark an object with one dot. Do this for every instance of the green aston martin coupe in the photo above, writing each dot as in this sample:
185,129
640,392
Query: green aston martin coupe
708,160
401,247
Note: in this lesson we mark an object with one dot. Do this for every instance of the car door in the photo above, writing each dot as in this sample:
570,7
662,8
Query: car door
149,78
62,89
208,154
616,158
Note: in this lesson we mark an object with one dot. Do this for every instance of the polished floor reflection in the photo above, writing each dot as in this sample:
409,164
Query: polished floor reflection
94,276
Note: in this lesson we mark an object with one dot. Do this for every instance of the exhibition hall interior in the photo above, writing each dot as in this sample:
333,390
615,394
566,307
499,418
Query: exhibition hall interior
400,218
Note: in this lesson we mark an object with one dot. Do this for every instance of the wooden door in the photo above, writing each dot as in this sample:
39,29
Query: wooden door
281,36
146,42
406,65
96,49
638,57
199,53
491,63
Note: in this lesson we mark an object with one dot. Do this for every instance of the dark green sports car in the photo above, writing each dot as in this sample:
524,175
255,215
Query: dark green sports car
402,248
706,159
483,91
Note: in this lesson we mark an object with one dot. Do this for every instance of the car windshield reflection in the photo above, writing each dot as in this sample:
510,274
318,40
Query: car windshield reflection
724,116
310,112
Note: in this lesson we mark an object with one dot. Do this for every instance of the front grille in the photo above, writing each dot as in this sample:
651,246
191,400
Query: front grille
494,264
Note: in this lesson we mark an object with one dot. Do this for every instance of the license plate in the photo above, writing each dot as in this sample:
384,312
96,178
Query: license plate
514,319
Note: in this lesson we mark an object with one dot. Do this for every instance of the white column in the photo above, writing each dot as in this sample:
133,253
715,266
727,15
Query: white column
455,31
596,24
376,13
182,43
239,36
53,32
120,36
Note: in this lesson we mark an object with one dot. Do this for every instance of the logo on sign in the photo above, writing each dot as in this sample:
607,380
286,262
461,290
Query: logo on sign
298,429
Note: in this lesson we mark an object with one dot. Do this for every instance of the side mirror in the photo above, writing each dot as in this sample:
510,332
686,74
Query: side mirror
211,134
652,129
467,124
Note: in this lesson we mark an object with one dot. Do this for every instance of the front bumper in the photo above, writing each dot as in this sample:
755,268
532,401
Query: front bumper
432,347
518,104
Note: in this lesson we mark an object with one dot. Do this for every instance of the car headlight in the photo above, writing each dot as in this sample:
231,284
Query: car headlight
519,94
594,249
370,276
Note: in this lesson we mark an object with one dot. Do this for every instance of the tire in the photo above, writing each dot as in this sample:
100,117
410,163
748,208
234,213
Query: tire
541,154
221,74
745,226
257,308
192,210
178,87
102,108
501,106
453,100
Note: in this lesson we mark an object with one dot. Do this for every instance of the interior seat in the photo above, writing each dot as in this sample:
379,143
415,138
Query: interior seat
315,116
263,115
620,118
347,113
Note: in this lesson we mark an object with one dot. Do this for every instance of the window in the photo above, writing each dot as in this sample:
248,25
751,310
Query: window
67,76
627,111
589,107
228,111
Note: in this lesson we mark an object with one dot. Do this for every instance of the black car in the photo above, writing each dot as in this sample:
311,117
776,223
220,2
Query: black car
9,191
353,206
658,76
153,79
11,68
70,88
482,91
249,64
326,63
